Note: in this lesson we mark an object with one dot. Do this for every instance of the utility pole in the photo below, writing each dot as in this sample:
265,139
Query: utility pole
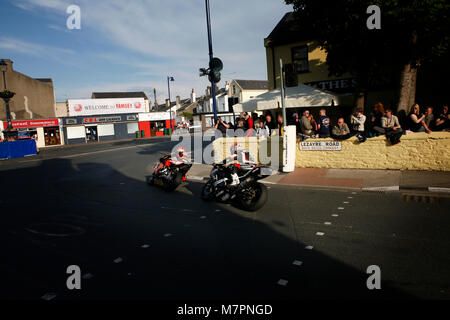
211,56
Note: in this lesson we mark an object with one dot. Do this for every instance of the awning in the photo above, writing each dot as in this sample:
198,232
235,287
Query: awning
296,97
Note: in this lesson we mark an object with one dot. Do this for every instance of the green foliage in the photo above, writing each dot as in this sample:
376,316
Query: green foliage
412,31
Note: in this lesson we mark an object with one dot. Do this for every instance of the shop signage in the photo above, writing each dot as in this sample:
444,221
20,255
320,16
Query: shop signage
87,107
102,119
339,85
154,116
320,145
33,123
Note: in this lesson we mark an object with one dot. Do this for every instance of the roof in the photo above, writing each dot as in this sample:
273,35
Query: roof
112,95
287,31
253,84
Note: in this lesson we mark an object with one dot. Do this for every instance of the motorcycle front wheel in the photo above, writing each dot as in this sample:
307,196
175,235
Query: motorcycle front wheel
207,191
254,197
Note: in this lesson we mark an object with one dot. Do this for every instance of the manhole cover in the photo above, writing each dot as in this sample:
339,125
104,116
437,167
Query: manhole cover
56,229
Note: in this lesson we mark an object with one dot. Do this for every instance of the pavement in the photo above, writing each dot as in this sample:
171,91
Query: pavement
352,179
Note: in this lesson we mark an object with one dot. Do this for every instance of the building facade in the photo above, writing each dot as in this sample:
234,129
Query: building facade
243,90
33,99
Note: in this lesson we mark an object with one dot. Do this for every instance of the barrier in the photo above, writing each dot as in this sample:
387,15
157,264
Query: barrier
416,151
17,149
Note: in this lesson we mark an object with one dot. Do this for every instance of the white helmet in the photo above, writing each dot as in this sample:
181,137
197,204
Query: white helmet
235,148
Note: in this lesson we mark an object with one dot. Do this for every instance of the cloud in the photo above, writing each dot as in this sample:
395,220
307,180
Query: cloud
34,49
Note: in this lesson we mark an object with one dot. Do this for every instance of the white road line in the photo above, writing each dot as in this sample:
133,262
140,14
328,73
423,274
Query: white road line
48,296
145,246
118,260
309,247
341,208
438,189
388,188
197,178
320,234
335,215
282,282
87,276
346,202
349,197
327,223
297,263
167,235
203,217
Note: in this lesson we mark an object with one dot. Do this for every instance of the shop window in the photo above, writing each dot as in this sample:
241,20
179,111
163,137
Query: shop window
132,127
300,59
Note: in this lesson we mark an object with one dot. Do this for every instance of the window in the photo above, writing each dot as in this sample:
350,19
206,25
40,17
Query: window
300,59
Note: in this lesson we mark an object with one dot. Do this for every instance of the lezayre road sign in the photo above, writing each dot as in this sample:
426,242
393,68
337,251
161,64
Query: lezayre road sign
320,146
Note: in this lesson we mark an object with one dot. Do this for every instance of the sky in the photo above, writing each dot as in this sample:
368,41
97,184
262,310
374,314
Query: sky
133,45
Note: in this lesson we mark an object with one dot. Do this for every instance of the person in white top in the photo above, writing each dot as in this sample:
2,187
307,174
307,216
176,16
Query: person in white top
358,121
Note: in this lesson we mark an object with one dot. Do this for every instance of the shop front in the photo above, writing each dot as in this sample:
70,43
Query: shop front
155,123
46,132
91,129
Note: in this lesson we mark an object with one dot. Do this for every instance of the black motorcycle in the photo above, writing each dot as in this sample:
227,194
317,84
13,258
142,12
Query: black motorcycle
249,194
169,172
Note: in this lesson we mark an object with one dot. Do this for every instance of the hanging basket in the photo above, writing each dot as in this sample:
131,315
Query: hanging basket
6,94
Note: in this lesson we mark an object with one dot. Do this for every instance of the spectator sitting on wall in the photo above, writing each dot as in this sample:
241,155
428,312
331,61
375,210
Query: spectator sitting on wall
306,125
429,117
443,121
357,120
375,120
261,130
341,130
417,120
391,127
324,124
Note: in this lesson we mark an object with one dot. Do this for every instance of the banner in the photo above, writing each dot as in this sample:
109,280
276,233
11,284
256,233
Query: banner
33,123
86,107
155,116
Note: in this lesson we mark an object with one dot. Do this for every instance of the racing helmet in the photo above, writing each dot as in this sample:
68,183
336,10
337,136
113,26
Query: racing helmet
180,151
235,148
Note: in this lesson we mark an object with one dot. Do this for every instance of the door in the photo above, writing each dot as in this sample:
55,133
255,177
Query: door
91,134
52,136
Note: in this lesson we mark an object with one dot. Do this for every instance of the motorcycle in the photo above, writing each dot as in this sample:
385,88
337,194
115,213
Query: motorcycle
249,194
169,172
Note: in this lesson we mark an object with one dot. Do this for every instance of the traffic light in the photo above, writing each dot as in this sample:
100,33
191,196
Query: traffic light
215,66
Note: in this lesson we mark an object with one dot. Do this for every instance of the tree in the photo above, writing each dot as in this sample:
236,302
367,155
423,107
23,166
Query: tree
413,32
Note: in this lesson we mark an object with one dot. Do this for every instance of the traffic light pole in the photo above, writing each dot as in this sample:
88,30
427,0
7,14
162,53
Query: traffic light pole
213,85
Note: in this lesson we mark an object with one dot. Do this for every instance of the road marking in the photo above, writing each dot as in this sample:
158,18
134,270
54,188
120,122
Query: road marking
309,247
145,246
388,188
349,197
346,202
282,282
203,217
335,215
198,178
217,210
354,193
320,233
87,276
167,235
327,223
438,189
297,263
118,260
48,296
341,208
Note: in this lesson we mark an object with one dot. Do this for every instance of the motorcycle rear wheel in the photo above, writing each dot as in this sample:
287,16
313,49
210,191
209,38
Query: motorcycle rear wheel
257,201
207,191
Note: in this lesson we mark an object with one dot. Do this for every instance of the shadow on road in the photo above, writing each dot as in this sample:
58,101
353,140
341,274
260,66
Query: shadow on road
133,241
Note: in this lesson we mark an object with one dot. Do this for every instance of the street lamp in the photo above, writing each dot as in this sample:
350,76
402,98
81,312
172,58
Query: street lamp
6,95
170,109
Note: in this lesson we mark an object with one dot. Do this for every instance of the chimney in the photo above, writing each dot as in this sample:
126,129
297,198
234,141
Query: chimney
208,91
193,96
167,103
227,85
178,100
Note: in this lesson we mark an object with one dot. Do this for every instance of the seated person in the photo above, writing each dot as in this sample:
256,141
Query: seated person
341,130
391,127
357,120
429,117
417,120
443,121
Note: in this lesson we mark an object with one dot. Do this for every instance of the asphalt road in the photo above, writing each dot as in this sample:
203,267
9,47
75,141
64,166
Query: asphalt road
89,206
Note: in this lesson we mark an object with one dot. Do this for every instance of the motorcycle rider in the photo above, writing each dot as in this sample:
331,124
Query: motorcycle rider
240,159
180,156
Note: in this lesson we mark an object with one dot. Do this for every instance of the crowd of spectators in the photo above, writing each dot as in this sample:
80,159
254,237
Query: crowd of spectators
381,121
